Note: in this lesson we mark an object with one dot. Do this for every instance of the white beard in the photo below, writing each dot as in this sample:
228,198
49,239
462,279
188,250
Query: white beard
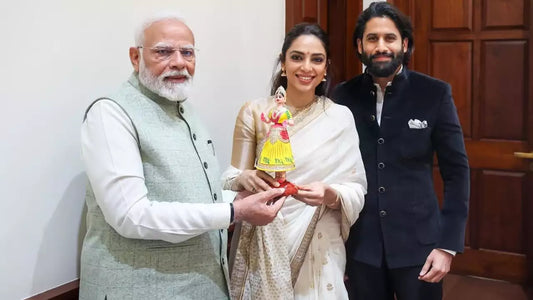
169,90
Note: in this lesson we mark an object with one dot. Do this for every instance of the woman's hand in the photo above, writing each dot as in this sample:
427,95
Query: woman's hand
316,194
256,181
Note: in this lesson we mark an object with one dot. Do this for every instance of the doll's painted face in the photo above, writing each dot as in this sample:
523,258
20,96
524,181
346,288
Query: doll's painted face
279,98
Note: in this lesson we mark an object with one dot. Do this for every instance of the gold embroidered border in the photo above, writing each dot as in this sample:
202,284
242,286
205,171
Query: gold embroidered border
298,259
239,272
345,223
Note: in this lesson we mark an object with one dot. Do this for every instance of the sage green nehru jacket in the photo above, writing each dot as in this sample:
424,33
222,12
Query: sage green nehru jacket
179,165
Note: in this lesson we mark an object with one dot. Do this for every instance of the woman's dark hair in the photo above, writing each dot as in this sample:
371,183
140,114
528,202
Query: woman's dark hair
384,9
294,33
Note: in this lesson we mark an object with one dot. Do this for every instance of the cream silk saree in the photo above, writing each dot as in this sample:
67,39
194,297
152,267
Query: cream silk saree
300,255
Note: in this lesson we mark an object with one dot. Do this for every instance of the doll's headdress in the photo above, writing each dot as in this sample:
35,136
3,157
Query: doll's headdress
280,91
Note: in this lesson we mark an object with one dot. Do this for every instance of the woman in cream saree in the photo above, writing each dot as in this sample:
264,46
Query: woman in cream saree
301,254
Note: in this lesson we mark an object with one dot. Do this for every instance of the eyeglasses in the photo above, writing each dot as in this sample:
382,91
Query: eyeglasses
165,53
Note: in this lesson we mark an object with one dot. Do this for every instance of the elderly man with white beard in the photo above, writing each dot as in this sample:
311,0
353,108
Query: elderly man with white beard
156,222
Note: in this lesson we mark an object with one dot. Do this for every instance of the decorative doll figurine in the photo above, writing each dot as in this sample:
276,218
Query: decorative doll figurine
276,155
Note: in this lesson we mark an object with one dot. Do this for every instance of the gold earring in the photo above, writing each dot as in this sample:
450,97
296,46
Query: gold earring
283,74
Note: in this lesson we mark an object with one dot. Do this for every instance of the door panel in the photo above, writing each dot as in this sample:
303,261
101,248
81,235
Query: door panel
451,15
310,11
503,75
459,55
500,211
504,13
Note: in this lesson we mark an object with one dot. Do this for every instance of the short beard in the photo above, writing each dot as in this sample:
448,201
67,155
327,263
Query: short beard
168,90
382,69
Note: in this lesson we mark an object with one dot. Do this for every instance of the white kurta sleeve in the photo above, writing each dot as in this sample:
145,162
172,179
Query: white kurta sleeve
114,168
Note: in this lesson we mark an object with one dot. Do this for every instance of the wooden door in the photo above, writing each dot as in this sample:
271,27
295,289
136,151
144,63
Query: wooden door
483,49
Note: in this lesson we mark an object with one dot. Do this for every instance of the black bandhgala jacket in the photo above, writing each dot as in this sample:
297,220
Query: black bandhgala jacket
402,221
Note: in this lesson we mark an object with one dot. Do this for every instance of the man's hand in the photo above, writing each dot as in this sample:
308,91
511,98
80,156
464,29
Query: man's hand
436,267
258,209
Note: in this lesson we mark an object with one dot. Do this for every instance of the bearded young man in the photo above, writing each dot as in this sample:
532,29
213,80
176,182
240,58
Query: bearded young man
402,245
156,220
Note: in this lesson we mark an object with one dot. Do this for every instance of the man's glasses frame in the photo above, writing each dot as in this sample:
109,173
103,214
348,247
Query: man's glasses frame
162,53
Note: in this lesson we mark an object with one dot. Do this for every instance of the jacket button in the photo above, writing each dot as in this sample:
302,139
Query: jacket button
372,118
381,165
181,109
215,196
381,189
205,164
381,141
194,136
382,213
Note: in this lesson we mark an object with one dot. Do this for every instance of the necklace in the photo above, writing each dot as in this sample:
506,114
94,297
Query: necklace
300,114
302,110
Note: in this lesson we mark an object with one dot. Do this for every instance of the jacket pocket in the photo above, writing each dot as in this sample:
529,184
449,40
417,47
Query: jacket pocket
415,143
